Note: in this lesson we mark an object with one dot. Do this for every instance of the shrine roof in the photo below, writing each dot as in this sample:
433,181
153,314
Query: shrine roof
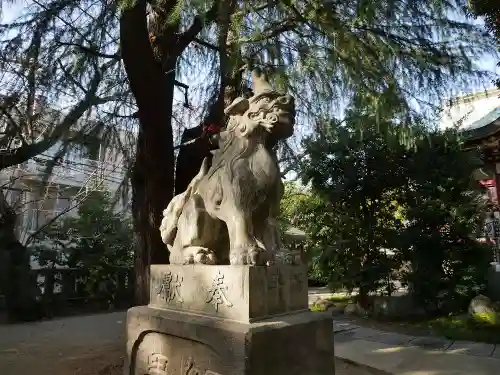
293,233
485,126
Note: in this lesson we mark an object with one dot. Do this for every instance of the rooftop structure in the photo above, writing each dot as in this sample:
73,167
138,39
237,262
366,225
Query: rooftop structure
477,116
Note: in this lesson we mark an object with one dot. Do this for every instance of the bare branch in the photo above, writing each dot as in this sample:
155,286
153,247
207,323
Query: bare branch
26,152
198,23
206,44
272,31
92,51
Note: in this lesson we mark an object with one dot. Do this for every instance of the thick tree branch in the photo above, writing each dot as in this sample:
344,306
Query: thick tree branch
33,55
180,84
300,17
24,153
198,23
92,51
12,131
205,44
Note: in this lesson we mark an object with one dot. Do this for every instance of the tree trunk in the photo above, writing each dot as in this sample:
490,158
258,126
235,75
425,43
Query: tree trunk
16,280
191,156
152,179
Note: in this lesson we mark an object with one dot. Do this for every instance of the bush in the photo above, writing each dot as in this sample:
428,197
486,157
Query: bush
448,267
303,209
98,241
357,177
463,327
487,318
368,194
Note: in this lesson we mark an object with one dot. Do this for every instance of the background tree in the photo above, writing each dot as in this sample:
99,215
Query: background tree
490,11
443,206
395,213
359,176
302,208
99,240
16,281
152,77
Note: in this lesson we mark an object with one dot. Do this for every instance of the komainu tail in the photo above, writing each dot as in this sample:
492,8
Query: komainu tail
171,214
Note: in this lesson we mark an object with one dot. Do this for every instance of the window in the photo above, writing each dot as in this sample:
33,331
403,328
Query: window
43,210
74,154
43,218
62,204
90,150
36,218
83,151
13,196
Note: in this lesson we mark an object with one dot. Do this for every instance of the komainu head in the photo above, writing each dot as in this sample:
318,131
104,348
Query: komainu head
267,110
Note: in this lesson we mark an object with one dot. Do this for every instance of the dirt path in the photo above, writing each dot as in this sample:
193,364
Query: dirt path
82,345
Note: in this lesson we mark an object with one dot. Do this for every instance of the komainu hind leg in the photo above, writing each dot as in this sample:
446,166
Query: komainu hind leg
197,232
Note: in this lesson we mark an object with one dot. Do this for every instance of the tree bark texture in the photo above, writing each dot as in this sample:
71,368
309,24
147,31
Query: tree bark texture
153,175
190,157
17,283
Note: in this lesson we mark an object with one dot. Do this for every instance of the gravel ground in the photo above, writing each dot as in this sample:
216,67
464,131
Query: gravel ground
83,345
110,362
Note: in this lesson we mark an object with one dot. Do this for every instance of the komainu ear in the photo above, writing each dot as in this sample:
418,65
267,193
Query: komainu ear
237,107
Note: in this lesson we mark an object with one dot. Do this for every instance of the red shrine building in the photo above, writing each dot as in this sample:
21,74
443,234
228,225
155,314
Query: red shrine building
477,115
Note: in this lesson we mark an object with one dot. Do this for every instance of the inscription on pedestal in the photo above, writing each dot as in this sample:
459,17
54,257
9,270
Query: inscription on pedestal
297,283
297,280
274,301
217,293
190,369
169,286
240,293
157,364
164,354
274,280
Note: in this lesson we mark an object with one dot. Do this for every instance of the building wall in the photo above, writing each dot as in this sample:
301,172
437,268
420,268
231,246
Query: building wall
465,110
38,201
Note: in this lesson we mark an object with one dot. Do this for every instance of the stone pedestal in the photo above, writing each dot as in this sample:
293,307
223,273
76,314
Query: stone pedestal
228,320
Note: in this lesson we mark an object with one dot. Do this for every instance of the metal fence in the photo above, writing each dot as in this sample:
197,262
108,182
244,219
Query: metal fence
68,291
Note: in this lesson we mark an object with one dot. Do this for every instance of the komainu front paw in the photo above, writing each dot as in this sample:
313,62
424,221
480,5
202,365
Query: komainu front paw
251,255
199,255
238,257
258,257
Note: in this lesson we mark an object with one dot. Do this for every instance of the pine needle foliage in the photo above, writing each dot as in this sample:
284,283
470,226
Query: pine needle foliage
400,53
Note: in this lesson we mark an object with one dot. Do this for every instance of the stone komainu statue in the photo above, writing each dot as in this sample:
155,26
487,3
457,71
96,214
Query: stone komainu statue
227,215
